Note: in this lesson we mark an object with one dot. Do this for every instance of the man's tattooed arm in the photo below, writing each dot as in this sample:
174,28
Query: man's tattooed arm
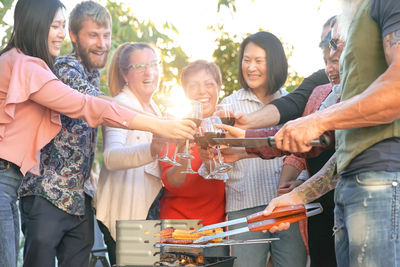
320,183
391,46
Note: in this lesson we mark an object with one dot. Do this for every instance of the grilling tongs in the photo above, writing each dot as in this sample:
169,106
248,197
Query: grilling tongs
259,222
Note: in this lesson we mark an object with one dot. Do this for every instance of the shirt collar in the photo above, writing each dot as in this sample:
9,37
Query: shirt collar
93,76
136,103
248,95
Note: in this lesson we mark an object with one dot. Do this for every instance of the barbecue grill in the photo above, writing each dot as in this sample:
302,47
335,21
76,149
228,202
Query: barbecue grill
138,245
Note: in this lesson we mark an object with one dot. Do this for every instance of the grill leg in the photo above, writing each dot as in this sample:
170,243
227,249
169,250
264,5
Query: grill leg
101,258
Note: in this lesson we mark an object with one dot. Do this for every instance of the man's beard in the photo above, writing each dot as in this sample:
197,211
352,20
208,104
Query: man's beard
84,55
349,10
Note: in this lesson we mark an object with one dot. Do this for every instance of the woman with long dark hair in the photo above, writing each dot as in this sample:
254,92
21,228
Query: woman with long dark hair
31,99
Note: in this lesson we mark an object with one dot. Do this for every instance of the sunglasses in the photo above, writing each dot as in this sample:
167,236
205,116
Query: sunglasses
333,45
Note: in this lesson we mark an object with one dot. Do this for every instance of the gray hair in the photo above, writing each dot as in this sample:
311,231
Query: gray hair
349,10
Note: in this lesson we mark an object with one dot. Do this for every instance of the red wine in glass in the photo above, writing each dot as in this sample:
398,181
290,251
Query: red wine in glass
201,140
207,139
210,135
228,120
225,113
195,120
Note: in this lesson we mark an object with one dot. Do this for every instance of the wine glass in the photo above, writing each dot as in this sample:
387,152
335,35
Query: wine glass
195,114
165,158
189,167
210,132
201,140
225,112
174,162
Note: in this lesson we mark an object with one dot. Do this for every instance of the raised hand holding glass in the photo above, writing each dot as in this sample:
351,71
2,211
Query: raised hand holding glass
165,158
210,132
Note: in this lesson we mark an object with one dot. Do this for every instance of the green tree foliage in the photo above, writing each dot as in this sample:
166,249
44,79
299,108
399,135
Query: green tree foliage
227,3
127,28
226,56
293,79
5,6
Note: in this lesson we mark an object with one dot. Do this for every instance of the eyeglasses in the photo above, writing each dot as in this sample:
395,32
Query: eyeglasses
333,44
141,67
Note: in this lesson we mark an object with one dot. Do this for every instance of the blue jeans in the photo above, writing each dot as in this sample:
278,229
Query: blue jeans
367,220
289,251
10,180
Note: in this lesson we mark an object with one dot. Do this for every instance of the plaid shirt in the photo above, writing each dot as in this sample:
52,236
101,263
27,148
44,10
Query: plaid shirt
65,162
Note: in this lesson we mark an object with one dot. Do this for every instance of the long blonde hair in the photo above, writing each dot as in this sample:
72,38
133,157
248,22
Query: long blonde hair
120,64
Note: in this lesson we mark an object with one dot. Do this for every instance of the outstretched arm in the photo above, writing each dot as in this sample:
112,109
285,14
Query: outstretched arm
378,104
285,108
320,183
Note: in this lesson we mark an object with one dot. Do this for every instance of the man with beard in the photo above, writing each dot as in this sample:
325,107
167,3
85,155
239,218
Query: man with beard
367,125
56,211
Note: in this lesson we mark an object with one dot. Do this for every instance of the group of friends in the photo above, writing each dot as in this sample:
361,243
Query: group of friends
51,105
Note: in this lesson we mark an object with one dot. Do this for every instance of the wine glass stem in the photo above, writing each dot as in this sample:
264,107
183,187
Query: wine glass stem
167,149
187,146
215,164
211,167
219,155
175,152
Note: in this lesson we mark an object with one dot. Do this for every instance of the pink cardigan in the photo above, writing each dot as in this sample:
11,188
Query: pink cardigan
31,98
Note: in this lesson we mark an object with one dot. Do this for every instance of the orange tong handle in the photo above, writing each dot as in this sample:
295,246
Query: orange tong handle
278,212
268,224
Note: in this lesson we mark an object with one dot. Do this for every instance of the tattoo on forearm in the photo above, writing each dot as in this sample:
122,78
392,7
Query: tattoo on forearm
390,42
322,182
393,38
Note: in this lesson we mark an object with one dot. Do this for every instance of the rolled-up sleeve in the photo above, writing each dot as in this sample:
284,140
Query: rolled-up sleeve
296,162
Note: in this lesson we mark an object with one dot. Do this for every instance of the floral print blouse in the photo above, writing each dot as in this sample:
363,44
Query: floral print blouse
65,163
